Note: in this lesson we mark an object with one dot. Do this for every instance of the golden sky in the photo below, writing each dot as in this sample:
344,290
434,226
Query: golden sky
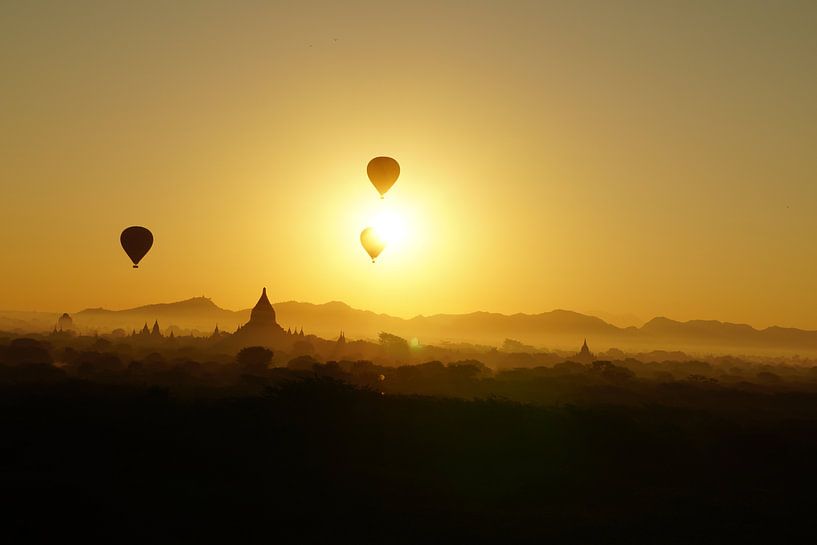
630,158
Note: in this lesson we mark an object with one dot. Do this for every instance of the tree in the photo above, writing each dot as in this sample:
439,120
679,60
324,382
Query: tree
27,351
612,372
254,356
512,345
303,348
302,363
393,345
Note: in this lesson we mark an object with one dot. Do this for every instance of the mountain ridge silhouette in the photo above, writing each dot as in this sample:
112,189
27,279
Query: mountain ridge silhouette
558,328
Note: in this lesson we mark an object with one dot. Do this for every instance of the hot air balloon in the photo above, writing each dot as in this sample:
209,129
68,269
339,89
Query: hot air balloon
383,172
136,241
372,242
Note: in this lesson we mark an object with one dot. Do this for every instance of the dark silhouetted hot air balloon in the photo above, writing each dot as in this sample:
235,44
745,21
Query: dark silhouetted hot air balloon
372,242
136,241
383,172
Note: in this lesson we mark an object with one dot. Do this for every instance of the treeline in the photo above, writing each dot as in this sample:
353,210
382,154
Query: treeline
728,384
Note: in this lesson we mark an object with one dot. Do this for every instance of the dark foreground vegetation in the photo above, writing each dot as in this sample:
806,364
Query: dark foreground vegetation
149,453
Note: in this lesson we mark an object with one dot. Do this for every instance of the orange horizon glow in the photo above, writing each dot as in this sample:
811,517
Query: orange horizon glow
628,161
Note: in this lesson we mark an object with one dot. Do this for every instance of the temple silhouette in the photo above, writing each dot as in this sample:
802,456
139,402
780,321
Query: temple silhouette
584,355
263,328
153,333
65,322
64,327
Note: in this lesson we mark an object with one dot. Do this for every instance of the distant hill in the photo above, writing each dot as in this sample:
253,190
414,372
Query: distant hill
27,321
562,329
713,333
199,314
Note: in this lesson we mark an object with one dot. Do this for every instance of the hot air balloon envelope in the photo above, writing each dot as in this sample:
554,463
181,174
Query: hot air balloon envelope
383,172
136,241
372,242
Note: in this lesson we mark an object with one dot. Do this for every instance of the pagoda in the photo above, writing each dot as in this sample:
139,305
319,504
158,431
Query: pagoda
584,355
263,328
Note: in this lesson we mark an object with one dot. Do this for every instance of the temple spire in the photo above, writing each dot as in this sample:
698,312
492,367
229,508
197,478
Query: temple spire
262,312
584,355
262,323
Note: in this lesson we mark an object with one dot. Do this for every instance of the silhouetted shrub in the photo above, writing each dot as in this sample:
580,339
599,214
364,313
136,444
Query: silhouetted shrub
394,346
468,369
570,367
90,363
255,356
303,348
663,376
154,359
30,372
766,376
27,351
700,379
690,367
302,363
613,373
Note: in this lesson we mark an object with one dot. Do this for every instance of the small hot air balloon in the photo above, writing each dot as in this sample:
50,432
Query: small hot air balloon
383,172
372,242
136,241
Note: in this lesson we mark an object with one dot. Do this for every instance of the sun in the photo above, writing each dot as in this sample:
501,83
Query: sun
397,227
391,226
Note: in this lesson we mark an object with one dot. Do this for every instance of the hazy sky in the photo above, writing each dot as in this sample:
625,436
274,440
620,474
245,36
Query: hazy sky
645,158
